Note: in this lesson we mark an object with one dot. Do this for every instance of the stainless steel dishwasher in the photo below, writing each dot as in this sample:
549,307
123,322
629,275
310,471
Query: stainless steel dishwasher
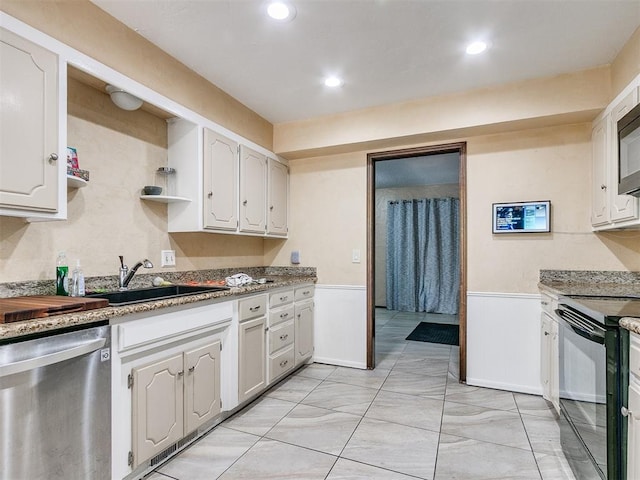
55,407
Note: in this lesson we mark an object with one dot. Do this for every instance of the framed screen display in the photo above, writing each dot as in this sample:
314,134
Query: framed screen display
522,217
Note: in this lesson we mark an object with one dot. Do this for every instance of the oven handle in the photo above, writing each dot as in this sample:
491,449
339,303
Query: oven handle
581,325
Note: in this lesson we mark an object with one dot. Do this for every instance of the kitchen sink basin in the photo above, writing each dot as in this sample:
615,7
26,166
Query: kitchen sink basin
138,295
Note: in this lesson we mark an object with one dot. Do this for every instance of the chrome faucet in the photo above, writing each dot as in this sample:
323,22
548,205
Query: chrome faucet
126,275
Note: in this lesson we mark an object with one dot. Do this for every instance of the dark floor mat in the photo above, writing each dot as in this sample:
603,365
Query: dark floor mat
435,333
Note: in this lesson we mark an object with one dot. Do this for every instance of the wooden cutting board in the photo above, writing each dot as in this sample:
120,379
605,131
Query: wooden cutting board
16,309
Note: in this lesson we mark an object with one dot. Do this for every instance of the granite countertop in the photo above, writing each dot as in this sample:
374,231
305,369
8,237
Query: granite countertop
594,284
56,322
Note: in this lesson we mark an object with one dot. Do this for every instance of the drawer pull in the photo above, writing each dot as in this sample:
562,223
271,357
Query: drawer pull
284,363
306,292
284,315
626,412
284,299
254,309
284,337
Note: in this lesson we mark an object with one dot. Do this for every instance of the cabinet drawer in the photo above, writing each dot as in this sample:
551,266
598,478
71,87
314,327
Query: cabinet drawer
280,298
252,307
634,355
281,336
549,304
303,293
281,363
280,315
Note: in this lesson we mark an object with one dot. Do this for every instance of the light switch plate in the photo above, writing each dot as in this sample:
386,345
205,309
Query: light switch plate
168,258
295,257
355,256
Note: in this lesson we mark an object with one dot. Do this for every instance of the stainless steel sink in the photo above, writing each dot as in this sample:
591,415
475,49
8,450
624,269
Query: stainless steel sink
154,293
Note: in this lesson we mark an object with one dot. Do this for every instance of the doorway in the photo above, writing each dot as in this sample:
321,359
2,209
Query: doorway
457,150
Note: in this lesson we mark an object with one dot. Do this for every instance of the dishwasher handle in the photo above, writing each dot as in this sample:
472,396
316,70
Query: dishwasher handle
51,358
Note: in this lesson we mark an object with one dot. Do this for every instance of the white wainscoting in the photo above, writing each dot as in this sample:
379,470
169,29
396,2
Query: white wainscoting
503,341
340,325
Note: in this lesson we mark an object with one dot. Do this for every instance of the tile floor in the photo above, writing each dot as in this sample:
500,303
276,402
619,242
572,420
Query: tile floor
409,418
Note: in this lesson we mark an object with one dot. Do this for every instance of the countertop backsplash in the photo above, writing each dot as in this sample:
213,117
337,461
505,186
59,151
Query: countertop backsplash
142,280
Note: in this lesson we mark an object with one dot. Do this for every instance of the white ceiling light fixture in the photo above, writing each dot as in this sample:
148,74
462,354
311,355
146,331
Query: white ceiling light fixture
281,11
476,48
333,81
123,99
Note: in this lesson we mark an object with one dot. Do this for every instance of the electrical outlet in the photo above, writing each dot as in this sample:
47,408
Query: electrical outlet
295,257
168,258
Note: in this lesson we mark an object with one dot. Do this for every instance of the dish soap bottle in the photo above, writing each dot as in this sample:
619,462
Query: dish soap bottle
62,275
77,281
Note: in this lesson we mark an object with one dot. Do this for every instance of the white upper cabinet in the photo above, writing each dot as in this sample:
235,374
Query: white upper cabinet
253,191
608,209
220,181
277,198
32,158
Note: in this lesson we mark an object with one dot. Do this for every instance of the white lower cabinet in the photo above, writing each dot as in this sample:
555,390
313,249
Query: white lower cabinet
252,372
304,331
170,379
172,397
633,410
549,351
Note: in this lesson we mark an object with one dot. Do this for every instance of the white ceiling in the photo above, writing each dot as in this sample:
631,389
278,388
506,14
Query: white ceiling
387,51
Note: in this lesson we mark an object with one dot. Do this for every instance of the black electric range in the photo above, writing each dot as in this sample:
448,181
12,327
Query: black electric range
593,382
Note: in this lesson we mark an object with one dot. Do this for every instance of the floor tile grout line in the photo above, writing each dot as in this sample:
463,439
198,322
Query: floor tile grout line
526,432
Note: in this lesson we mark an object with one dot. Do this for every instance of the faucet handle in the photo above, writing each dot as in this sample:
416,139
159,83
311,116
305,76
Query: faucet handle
121,257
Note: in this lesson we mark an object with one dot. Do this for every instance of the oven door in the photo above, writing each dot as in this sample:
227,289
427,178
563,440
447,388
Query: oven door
583,394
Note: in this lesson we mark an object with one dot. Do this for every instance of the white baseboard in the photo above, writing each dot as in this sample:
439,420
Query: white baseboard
340,362
510,387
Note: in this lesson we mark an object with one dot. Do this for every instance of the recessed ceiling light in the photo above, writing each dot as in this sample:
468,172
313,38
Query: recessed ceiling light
333,81
281,11
476,47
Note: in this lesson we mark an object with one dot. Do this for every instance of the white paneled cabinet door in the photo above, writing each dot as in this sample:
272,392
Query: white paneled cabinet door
545,356
157,407
29,156
633,444
253,191
623,207
252,377
278,198
201,385
303,331
600,172
220,182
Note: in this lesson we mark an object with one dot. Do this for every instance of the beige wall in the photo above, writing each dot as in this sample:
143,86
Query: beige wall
383,196
626,65
329,195
85,27
122,150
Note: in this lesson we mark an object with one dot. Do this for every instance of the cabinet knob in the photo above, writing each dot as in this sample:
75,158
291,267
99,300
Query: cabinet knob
53,157
210,194
192,369
181,373
546,333
244,203
626,412
603,187
271,207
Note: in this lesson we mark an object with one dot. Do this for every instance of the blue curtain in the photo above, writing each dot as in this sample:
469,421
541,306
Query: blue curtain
423,255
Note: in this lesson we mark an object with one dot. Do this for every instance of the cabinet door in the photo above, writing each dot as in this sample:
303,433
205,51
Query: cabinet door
253,191
29,171
278,198
545,356
157,408
633,444
623,207
201,385
304,331
220,182
600,180
554,367
252,361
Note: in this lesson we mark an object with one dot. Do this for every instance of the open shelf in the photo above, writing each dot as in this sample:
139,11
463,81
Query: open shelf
164,198
75,182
